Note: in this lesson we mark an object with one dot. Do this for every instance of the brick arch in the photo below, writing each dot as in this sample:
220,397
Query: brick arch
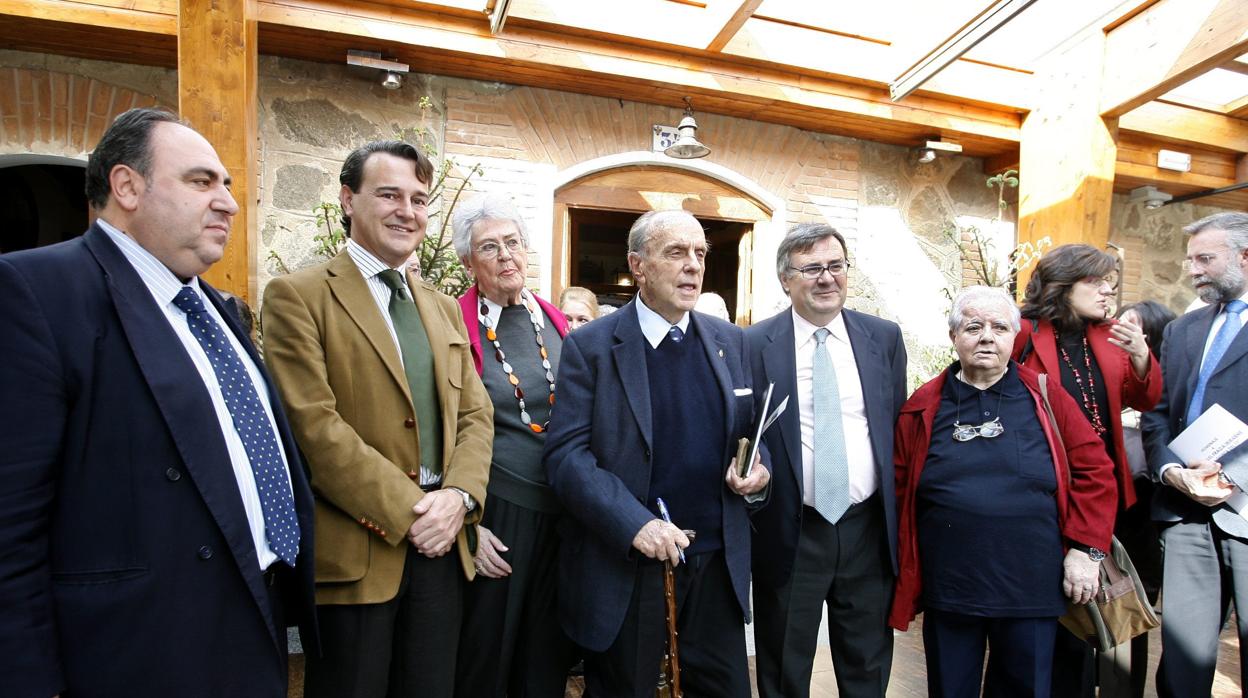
62,114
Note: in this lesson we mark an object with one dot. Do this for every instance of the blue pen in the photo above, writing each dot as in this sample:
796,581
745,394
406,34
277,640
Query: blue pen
668,518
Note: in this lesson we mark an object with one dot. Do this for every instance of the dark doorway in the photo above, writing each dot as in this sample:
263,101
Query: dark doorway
40,205
599,254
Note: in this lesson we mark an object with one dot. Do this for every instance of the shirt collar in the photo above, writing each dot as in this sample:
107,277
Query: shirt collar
163,284
368,263
1008,385
494,310
654,326
804,330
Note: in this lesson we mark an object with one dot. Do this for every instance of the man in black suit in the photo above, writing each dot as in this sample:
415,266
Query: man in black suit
828,530
156,533
651,403
1204,360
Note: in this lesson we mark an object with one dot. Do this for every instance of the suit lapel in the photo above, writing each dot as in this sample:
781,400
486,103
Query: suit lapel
630,362
1196,339
351,290
184,401
716,347
870,363
780,365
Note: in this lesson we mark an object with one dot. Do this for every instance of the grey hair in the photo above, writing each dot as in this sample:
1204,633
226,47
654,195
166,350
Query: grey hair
801,238
977,295
487,207
649,222
1234,223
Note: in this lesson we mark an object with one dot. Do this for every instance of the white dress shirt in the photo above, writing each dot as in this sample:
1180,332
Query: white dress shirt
654,326
164,287
863,479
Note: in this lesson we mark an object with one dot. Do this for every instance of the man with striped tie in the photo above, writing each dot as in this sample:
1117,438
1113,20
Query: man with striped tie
1204,362
156,534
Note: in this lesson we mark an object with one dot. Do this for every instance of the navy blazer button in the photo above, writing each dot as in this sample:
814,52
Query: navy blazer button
205,552
173,475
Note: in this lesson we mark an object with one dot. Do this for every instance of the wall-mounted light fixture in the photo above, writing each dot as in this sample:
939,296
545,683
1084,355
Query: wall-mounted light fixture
1150,196
927,152
687,146
371,59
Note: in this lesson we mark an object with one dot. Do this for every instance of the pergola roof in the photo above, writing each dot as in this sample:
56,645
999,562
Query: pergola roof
1172,78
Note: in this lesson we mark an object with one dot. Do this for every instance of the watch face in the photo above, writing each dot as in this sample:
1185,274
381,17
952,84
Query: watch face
1096,554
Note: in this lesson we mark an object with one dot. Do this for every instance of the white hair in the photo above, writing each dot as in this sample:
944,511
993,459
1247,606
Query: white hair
487,207
980,296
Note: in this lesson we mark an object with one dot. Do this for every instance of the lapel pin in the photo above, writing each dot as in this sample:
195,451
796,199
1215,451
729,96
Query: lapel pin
721,353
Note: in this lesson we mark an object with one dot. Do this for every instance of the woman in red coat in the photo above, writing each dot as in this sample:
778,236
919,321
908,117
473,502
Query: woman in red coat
1105,365
1002,512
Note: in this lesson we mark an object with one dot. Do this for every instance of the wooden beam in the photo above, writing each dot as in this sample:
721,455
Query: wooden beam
1187,126
1068,152
744,11
580,59
217,52
1239,108
147,16
1000,163
1167,45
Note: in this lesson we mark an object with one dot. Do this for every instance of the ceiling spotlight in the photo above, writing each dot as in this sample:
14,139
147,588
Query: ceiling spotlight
687,146
1150,196
371,59
925,155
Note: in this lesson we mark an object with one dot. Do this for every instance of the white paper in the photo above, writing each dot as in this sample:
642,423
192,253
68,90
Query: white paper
1211,436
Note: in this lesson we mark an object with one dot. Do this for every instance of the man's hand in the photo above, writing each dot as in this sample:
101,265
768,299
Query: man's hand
755,482
488,560
439,516
1200,482
1082,576
660,540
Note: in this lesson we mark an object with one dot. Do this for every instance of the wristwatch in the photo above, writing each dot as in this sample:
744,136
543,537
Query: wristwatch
1095,554
470,504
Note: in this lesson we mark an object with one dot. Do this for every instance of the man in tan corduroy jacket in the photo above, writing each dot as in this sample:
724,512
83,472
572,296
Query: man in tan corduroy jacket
396,427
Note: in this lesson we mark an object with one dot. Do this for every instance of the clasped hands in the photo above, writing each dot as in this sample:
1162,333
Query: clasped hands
660,540
439,516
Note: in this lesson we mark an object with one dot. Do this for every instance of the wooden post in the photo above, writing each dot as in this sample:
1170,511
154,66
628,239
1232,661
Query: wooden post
217,49
1067,152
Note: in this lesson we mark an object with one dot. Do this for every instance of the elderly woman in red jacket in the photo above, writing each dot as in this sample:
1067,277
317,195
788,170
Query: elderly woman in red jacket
1003,512
511,642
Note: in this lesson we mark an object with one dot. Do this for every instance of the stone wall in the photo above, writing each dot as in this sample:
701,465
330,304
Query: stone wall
529,142
1154,247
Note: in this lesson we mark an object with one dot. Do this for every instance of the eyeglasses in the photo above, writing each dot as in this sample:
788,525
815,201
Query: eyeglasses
988,430
811,272
1201,260
491,249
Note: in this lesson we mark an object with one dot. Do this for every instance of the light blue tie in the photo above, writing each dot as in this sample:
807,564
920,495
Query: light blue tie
277,504
1221,342
831,463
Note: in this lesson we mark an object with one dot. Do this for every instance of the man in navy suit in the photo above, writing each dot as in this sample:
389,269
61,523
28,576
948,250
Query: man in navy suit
651,403
1204,360
827,532
155,527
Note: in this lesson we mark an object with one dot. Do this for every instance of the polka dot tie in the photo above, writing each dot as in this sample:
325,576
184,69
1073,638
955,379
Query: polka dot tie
674,334
281,527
